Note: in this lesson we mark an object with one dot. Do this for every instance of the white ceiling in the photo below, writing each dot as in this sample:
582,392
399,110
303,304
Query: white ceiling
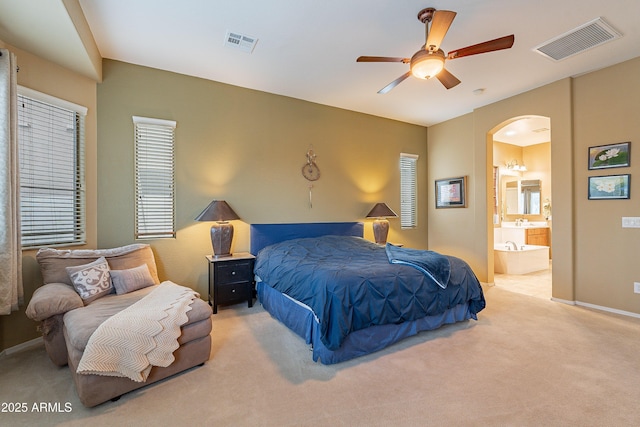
307,49
525,131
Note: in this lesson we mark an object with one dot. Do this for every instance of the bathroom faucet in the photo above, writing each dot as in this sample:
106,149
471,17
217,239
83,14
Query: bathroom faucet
515,247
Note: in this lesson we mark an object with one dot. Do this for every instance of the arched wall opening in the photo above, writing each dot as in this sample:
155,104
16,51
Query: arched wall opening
521,207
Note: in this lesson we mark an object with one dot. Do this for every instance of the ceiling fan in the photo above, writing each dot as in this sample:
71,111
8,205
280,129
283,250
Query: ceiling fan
429,60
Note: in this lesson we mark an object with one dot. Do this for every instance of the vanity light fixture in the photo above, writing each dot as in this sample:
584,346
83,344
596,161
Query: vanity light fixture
514,166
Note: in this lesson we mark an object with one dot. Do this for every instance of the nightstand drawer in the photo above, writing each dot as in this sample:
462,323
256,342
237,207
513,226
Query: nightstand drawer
232,272
235,291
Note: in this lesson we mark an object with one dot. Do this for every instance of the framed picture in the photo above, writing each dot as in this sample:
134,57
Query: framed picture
609,156
609,187
451,193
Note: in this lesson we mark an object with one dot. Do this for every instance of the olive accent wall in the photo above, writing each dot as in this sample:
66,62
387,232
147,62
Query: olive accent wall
248,148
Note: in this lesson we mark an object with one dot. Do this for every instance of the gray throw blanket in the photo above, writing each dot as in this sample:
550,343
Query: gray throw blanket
432,264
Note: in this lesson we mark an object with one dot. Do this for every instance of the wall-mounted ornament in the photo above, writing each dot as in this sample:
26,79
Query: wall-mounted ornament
311,172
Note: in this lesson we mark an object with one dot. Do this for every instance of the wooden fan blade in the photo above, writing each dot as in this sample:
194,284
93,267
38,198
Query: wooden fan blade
382,59
489,46
447,79
440,24
394,83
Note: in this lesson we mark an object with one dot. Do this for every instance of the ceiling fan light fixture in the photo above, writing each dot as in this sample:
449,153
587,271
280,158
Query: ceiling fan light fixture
429,60
426,64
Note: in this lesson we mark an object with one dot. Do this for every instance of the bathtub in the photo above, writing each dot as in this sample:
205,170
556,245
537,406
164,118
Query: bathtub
527,259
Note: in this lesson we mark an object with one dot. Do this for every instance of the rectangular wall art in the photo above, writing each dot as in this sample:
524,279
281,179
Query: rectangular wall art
609,156
451,193
609,187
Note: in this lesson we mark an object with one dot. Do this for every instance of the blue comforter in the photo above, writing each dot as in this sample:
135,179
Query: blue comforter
350,284
434,265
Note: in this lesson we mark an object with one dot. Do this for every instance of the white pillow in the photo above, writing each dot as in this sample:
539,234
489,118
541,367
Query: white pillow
132,279
92,280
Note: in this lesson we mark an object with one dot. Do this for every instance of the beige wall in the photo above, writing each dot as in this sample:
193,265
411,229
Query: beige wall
465,145
246,147
606,111
594,258
452,231
46,77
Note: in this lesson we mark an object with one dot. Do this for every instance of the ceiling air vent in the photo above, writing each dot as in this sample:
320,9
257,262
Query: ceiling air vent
239,41
578,40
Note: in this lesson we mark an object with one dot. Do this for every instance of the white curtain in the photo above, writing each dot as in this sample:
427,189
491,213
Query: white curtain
11,291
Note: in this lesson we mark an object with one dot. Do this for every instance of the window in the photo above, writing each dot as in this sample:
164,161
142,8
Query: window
154,178
52,195
408,190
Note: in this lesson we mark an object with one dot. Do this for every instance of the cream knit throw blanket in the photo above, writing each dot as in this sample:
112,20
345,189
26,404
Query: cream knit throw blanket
143,335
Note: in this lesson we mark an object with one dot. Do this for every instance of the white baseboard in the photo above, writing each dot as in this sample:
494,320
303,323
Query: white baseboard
608,309
36,342
563,301
597,307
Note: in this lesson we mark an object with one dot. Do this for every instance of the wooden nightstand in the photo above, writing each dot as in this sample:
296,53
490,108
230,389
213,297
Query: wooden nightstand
231,279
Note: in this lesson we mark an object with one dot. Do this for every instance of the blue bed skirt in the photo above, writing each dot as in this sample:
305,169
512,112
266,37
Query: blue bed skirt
299,318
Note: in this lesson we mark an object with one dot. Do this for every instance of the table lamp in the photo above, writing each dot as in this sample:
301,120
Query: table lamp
381,226
221,231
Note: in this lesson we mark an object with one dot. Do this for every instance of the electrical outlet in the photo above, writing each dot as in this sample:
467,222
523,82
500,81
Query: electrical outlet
630,222
636,287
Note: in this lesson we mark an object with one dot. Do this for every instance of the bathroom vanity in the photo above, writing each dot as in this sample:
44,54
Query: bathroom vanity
537,236
529,233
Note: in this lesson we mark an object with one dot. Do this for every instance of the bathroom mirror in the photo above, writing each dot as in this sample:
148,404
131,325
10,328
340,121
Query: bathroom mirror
530,196
521,196
511,198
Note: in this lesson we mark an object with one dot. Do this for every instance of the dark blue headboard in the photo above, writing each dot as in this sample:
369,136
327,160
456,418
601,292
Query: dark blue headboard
267,234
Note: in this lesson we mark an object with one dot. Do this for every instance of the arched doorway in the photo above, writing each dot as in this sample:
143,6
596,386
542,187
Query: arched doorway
522,205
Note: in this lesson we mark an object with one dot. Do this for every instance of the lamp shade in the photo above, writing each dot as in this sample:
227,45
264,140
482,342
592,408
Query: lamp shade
381,210
218,210
221,231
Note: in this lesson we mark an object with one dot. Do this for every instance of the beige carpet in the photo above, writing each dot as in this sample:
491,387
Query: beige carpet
526,362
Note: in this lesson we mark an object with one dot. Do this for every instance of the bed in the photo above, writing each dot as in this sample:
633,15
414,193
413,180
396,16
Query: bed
347,296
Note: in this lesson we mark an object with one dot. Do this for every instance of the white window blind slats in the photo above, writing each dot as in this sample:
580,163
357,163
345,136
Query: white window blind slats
154,178
52,198
408,190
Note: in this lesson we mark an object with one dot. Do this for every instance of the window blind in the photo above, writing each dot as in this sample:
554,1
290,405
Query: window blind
51,150
154,178
408,190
